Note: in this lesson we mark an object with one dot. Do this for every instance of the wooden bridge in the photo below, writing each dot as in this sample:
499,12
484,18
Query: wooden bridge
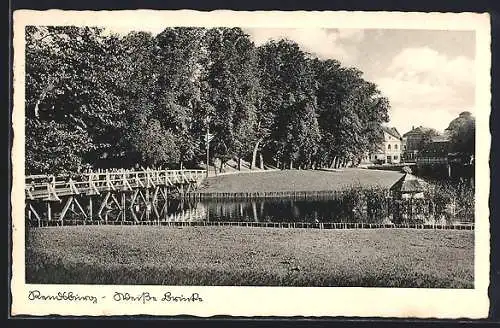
91,196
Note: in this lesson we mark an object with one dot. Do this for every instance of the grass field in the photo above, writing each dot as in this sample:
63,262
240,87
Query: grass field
250,256
295,180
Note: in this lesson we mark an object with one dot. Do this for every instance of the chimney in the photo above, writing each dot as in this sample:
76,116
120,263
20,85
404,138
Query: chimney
413,127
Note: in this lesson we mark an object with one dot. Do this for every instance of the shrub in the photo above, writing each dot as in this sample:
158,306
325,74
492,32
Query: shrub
453,201
406,169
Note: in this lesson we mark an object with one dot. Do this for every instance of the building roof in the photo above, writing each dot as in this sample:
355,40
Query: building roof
392,131
441,138
417,130
436,148
409,184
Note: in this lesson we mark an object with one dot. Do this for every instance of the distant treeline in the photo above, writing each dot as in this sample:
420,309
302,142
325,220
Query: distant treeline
104,100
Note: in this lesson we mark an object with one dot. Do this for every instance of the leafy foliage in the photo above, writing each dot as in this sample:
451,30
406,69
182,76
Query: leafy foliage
92,98
463,133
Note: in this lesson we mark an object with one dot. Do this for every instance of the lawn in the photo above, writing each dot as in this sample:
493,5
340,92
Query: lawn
250,256
300,180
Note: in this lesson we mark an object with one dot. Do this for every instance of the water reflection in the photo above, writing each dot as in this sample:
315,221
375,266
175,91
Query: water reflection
276,210
270,210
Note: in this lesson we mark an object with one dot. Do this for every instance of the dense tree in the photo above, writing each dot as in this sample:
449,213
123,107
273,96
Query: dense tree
289,104
427,136
232,90
178,54
462,131
70,95
108,100
351,111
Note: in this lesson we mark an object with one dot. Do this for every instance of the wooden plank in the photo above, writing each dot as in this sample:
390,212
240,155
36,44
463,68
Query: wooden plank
134,197
155,194
65,208
143,198
80,207
73,187
109,183
90,208
125,184
32,209
49,212
116,201
104,203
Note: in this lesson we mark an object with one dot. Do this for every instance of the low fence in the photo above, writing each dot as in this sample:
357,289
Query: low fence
263,194
285,225
391,167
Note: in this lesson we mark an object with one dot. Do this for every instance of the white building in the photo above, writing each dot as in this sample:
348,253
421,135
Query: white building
389,151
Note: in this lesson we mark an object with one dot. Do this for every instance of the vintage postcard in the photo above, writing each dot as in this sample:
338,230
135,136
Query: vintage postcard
251,164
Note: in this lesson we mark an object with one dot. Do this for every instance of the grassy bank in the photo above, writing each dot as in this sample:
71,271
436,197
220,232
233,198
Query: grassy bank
295,180
250,256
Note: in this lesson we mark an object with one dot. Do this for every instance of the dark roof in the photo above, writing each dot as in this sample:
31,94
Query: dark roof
417,130
409,183
441,138
436,148
392,131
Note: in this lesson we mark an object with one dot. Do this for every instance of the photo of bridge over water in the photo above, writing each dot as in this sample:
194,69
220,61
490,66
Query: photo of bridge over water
233,156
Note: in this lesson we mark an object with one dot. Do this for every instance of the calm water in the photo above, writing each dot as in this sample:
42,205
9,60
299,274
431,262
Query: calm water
264,210
273,210
257,210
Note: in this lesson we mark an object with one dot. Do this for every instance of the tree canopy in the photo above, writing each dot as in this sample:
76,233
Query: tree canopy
462,131
104,100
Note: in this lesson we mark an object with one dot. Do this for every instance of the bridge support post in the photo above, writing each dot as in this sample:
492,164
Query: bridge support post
72,202
123,206
49,212
90,209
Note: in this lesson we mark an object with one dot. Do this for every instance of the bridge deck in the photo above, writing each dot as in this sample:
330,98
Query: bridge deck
44,187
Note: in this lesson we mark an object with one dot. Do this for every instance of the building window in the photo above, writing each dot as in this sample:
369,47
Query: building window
389,147
395,157
396,147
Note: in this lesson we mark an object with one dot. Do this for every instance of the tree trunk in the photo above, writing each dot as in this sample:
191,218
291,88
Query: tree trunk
239,163
221,166
291,164
254,210
254,154
261,160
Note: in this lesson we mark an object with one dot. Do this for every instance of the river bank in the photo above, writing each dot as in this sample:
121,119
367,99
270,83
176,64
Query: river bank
299,181
250,256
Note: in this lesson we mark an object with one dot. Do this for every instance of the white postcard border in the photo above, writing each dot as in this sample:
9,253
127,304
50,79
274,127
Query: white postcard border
265,301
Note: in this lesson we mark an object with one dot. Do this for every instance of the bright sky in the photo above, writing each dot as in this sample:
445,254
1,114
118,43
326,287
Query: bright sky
427,75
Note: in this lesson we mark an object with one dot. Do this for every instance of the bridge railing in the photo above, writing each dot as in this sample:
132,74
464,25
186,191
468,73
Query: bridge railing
37,186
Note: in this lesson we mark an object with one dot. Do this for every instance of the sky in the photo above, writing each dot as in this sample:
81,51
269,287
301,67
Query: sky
427,75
